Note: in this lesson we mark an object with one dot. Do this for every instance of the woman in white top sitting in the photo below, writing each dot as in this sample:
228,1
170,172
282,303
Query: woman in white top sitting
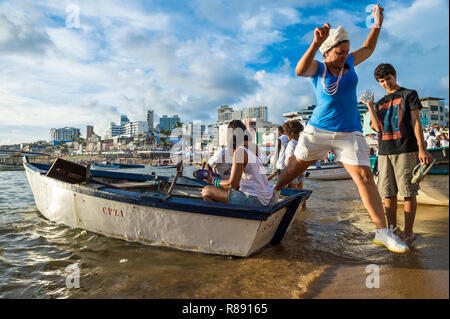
247,185
292,129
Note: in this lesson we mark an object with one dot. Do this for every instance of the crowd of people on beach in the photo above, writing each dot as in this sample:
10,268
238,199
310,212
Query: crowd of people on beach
334,134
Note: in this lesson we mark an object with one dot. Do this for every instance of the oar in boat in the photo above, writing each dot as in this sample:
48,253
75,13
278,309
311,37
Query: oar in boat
179,173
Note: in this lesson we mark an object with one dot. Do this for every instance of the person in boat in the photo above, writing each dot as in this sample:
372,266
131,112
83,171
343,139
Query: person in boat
293,128
396,118
220,163
280,149
336,123
248,184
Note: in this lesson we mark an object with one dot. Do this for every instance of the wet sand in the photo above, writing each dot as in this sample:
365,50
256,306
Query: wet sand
349,282
424,275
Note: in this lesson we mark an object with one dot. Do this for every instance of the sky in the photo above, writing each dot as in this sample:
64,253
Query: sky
77,63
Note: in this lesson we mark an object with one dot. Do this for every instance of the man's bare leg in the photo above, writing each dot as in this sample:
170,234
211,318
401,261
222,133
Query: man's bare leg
363,178
214,194
410,209
390,207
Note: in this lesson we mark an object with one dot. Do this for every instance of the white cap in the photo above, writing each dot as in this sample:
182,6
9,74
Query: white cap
335,36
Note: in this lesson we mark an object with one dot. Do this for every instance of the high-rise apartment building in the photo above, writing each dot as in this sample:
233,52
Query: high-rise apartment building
150,116
167,123
112,130
135,128
124,120
225,114
89,131
65,134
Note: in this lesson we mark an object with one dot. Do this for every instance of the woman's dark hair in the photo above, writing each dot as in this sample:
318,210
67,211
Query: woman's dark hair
293,128
383,70
280,130
237,124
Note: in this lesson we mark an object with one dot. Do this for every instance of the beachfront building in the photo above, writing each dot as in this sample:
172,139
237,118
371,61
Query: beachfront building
438,113
226,114
89,131
168,123
254,118
112,130
135,128
65,134
194,131
150,116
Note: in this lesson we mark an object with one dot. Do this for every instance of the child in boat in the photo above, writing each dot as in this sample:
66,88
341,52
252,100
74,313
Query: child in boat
248,184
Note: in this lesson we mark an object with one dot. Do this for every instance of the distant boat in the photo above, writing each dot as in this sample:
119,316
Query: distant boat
327,172
11,167
157,211
434,186
163,166
129,165
105,166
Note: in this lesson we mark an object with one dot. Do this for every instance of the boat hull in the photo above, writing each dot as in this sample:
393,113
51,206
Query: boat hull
206,232
328,173
434,190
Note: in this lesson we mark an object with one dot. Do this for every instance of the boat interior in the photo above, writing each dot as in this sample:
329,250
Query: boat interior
145,185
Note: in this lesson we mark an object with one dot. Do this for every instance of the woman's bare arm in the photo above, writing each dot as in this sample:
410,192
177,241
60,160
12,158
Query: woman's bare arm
306,66
371,42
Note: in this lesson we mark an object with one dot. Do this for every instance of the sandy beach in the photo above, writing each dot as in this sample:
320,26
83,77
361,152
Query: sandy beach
421,274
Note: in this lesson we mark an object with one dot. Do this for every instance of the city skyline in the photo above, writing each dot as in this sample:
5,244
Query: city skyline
187,59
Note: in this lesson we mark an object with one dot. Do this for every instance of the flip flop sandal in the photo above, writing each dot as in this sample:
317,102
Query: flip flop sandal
420,171
204,174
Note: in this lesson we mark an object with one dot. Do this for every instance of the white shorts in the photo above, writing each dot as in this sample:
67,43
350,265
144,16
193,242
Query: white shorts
349,147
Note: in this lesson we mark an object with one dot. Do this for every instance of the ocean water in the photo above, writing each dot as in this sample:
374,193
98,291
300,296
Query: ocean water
335,229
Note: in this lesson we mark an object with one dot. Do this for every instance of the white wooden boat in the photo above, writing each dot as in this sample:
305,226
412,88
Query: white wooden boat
134,207
434,190
328,172
11,167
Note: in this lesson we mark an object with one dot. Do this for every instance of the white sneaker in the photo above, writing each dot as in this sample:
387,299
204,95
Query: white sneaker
385,237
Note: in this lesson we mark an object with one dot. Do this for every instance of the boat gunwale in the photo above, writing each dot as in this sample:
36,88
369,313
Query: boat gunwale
323,168
173,203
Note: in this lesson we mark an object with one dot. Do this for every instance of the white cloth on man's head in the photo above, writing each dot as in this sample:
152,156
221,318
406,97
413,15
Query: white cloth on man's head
335,36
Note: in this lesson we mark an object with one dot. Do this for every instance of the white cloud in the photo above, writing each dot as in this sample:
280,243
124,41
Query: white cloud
131,56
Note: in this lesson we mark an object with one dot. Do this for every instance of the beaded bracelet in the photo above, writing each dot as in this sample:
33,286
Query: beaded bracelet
217,183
